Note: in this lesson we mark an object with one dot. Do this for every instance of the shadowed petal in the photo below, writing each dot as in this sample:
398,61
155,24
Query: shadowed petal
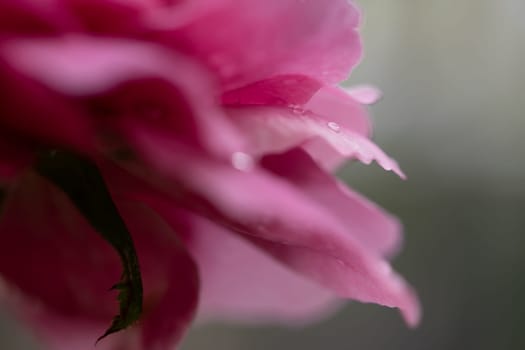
55,259
83,66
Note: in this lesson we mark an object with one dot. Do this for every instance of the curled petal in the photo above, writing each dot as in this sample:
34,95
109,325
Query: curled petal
274,130
374,228
82,66
283,221
365,94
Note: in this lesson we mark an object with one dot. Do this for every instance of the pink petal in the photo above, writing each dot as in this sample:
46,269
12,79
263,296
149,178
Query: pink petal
240,282
80,66
366,222
320,39
56,260
365,94
283,221
243,284
274,130
337,106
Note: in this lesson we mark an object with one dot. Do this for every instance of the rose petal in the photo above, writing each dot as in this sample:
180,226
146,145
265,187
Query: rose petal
366,222
240,282
47,119
337,106
365,94
14,158
283,221
22,17
274,130
43,253
320,41
171,283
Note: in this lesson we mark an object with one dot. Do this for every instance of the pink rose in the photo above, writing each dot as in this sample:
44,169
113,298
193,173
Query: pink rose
215,125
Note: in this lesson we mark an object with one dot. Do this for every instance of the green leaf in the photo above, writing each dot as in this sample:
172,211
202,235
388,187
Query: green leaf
82,182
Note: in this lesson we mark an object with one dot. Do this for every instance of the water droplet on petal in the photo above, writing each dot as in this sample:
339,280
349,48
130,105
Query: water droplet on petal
242,161
334,126
296,109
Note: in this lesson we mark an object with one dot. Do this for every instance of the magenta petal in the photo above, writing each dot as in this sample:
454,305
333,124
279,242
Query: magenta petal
43,252
273,130
366,222
170,277
47,119
320,41
286,223
276,91
14,158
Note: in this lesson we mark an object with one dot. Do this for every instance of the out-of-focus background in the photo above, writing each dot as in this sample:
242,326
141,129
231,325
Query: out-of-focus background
453,115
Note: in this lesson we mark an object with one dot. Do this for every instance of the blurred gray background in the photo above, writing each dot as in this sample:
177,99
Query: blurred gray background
453,115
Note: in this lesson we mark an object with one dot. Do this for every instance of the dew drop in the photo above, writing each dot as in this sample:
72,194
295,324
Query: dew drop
296,109
242,161
334,126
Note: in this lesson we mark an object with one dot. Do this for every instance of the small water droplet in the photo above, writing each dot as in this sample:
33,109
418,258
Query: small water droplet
340,262
334,126
242,161
296,109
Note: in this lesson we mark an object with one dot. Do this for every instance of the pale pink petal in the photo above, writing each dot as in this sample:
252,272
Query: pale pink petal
365,94
274,130
336,106
80,66
282,220
317,40
366,222
240,282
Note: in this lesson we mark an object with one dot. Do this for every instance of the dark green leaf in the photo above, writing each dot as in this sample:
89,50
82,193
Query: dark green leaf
81,180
